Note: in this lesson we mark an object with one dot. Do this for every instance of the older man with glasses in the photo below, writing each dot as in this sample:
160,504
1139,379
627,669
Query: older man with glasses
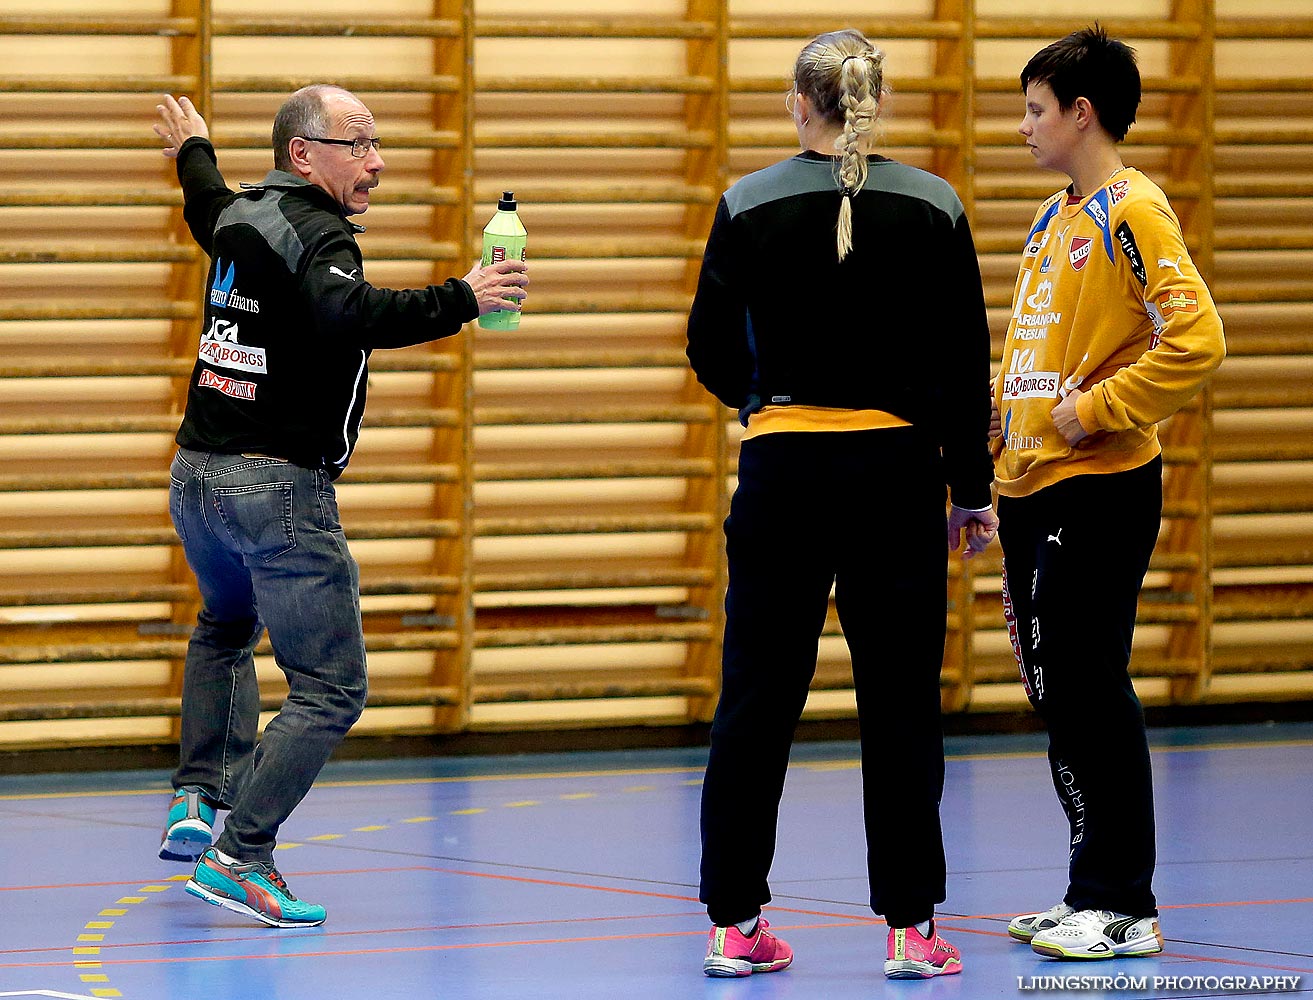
273,413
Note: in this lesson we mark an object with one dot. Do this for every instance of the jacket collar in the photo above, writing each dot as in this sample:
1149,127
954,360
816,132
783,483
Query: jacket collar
814,157
281,180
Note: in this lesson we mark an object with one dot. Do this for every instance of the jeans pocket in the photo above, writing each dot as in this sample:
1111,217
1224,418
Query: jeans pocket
326,495
258,517
175,507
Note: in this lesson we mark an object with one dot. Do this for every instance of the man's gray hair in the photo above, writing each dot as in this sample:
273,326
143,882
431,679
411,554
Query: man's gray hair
301,114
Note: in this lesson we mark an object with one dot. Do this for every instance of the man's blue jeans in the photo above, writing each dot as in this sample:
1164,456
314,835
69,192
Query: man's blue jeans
262,536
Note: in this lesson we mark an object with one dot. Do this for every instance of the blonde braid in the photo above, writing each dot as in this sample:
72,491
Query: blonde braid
842,74
860,108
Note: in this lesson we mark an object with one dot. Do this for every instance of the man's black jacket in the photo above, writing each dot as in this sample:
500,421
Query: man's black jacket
290,320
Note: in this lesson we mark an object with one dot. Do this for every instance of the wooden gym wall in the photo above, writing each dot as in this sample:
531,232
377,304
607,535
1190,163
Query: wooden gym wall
537,513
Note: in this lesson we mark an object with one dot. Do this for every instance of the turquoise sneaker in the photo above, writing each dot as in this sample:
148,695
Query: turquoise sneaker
254,888
189,830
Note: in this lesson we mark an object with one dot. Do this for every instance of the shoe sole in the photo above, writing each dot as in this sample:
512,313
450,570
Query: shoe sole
907,969
1138,949
1054,951
228,903
186,840
735,968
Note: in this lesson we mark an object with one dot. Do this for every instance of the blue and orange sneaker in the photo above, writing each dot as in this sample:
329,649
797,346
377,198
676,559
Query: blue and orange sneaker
911,956
731,953
189,829
254,888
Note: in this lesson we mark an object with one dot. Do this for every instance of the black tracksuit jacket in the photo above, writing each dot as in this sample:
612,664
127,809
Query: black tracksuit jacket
899,325
290,320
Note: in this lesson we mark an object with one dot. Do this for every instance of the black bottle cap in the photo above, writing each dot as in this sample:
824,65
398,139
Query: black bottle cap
507,203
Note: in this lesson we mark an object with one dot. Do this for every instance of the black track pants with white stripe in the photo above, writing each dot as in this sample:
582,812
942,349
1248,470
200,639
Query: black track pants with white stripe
1075,555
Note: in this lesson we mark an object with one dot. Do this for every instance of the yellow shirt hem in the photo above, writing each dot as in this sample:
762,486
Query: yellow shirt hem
781,419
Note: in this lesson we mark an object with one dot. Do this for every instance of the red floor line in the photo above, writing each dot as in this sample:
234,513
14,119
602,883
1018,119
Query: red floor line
566,885
645,893
627,772
457,871
174,878
956,929
1242,963
570,940
317,933
280,956
1236,902
164,790
85,885
946,918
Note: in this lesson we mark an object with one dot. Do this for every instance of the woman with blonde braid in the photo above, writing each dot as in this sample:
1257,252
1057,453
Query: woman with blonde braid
840,311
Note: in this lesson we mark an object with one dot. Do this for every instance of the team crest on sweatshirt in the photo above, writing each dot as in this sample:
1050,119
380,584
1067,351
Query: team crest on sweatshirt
1080,251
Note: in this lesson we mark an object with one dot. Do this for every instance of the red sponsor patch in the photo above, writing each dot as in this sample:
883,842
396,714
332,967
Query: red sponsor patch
1080,251
1118,190
228,386
1182,300
1010,617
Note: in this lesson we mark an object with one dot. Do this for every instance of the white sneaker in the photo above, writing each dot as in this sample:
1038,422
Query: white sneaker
1026,926
1100,934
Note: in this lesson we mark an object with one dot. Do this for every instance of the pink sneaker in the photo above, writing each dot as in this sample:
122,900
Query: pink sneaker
910,956
729,953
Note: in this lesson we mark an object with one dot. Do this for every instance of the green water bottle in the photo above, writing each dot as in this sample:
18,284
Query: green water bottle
503,239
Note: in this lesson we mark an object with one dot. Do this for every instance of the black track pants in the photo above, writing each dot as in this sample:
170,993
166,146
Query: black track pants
863,511
1075,555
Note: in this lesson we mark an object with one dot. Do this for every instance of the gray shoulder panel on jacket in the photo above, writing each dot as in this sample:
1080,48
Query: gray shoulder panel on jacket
798,176
263,215
914,182
778,181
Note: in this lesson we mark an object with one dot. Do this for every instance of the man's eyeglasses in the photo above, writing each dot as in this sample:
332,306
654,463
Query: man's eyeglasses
359,147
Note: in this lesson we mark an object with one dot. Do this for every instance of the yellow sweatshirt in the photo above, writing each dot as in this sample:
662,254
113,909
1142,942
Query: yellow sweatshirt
1109,302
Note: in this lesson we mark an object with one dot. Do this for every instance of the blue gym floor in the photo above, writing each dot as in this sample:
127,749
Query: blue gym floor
575,876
